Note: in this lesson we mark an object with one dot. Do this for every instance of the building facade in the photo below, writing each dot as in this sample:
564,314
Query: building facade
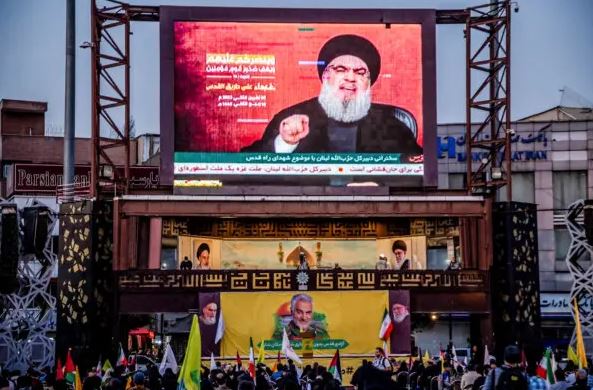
552,167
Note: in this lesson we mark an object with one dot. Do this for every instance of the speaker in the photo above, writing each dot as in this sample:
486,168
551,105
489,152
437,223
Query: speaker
9,248
515,275
35,230
589,220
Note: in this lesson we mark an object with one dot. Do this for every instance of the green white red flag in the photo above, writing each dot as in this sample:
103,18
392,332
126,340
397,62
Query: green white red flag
251,360
386,326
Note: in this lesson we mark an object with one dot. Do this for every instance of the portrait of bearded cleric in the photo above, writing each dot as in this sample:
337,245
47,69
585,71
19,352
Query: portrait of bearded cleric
342,118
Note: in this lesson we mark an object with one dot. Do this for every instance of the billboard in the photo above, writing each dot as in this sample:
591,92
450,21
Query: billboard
320,316
288,96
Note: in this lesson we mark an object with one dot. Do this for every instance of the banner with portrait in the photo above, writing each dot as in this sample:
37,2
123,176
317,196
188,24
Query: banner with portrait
237,253
348,321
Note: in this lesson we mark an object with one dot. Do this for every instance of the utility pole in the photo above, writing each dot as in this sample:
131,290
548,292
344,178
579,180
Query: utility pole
69,110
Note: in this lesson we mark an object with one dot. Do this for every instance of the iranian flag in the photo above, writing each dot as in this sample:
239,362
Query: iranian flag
386,327
121,360
545,369
251,360
335,368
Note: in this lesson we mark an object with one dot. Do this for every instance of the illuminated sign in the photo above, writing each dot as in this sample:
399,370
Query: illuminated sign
454,148
286,98
36,178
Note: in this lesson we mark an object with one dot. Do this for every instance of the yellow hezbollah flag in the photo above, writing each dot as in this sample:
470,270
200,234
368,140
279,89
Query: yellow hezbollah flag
581,355
572,356
189,375
426,357
77,381
261,354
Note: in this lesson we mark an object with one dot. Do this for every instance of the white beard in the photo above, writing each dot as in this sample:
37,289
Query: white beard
208,320
399,318
344,111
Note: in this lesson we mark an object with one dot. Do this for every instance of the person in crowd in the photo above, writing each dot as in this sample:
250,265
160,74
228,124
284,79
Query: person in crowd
380,361
509,375
186,264
203,257
92,381
581,377
169,380
303,264
468,379
354,381
138,381
479,381
454,264
535,382
154,378
382,263
447,376
561,382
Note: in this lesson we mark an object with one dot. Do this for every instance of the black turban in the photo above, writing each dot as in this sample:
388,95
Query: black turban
353,45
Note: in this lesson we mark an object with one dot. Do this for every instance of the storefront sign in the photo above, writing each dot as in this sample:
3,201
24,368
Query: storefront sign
35,178
559,303
454,147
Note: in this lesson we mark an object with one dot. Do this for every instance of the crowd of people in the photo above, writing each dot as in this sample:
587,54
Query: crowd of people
441,373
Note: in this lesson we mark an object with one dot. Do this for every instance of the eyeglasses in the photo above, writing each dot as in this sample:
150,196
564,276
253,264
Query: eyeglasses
340,69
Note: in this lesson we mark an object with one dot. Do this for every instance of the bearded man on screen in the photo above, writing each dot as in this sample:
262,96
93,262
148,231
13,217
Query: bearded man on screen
342,118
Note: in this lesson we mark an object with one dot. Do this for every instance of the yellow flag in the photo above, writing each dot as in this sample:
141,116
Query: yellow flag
189,375
581,354
77,381
425,358
572,356
261,354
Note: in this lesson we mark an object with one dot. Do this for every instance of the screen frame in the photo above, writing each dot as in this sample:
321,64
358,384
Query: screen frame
425,17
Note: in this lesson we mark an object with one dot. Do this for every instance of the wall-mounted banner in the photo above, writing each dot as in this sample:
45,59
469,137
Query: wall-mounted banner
319,253
348,321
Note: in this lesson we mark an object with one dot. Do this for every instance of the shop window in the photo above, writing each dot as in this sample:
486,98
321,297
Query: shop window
568,188
523,188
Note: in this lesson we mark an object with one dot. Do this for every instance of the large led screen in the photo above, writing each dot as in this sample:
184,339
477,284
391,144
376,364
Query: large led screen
300,100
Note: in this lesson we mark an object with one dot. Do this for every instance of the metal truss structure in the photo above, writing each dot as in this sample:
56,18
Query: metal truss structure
488,93
487,31
28,316
110,31
580,246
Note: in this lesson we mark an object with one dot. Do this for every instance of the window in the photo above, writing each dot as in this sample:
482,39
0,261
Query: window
562,243
568,188
457,181
523,188
169,258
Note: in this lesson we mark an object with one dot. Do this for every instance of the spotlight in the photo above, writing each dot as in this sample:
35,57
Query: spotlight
434,317
496,173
